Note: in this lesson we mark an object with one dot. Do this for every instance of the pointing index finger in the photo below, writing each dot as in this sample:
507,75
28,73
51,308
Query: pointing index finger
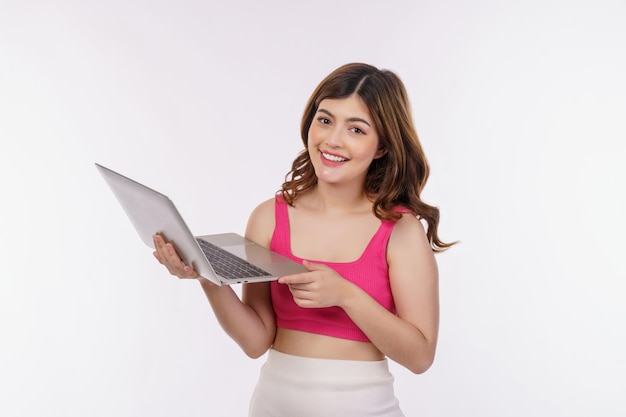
293,279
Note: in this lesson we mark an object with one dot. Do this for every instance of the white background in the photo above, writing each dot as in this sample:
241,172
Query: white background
521,110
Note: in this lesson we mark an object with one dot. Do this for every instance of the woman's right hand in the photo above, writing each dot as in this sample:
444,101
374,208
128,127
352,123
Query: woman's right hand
166,254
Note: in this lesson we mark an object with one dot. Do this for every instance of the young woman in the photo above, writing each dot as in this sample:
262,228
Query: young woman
350,211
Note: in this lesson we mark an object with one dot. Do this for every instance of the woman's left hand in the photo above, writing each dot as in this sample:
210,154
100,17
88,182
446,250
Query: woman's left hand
322,286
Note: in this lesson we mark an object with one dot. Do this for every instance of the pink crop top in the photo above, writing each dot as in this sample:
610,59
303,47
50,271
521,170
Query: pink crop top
370,272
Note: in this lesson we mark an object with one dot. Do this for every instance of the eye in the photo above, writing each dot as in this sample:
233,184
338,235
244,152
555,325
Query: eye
357,130
324,120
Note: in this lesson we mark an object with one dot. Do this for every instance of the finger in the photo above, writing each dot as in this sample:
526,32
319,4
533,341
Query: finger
295,279
167,255
190,272
312,266
300,288
303,299
157,256
181,270
158,241
164,248
167,259
308,265
160,249
300,294
304,303
170,256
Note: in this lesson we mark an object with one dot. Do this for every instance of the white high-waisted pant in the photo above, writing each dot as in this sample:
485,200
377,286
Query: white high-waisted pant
293,386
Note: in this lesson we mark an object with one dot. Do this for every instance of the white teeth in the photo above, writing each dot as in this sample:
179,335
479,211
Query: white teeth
333,157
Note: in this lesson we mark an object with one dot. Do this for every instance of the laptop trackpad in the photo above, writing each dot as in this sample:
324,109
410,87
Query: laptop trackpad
255,254
267,260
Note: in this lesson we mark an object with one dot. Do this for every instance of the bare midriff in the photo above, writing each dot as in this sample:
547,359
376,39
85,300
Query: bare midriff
298,343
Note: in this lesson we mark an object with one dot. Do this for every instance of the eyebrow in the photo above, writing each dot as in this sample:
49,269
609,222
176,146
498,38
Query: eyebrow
351,119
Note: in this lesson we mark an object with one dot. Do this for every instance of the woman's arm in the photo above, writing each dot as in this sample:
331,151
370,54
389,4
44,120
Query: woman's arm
249,321
410,338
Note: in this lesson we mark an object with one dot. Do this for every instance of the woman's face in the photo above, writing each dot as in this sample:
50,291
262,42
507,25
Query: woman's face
342,141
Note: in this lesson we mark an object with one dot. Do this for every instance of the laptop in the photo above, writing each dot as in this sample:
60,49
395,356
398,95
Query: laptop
224,259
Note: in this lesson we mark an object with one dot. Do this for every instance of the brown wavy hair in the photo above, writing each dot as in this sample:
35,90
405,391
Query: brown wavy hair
395,179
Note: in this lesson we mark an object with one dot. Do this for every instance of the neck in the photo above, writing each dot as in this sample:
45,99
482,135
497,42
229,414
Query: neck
340,199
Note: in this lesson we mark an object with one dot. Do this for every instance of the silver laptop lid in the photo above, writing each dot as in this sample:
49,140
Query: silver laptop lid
153,213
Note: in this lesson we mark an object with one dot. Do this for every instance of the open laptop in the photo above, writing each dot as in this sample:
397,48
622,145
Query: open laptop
224,259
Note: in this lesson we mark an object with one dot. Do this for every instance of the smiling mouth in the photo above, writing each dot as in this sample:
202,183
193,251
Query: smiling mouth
333,158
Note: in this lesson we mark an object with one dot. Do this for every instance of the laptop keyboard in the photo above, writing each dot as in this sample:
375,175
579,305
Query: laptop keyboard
227,265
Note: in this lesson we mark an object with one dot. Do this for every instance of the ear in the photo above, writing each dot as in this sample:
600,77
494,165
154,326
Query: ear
380,152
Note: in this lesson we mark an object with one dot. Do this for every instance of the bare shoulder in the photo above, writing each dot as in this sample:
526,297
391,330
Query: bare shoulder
408,234
261,223
409,251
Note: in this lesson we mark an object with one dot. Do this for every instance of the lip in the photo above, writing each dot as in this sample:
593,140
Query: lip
322,152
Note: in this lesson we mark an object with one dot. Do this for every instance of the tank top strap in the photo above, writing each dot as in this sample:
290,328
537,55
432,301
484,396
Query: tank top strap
281,236
378,243
377,246
401,209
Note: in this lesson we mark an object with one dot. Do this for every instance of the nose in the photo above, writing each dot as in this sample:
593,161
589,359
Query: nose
334,139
